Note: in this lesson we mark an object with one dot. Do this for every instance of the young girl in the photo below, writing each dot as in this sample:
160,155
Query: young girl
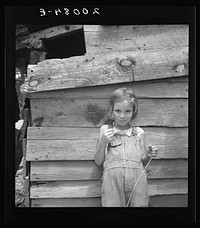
122,151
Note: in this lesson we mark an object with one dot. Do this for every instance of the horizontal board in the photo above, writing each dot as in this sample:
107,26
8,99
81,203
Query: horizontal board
170,135
88,170
60,150
91,112
67,202
87,189
164,88
177,168
100,38
177,200
92,70
65,170
66,189
79,144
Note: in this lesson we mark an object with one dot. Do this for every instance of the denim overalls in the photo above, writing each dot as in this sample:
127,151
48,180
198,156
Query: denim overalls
122,168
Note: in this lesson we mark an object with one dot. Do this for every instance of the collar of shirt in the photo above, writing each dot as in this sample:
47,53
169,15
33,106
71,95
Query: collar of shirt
127,132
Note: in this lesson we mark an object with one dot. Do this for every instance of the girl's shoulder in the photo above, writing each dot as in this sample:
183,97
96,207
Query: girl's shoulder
139,130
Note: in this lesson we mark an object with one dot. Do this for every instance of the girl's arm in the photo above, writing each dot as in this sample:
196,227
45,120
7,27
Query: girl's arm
105,137
100,152
148,152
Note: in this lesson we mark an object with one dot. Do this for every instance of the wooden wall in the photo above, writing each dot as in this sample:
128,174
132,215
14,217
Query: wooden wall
65,122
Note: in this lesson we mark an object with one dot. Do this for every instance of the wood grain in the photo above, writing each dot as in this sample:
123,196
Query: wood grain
69,100
99,38
48,144
66,202
87,189
177,200
164,88
88,170
60,150
84,71
91,112
73,133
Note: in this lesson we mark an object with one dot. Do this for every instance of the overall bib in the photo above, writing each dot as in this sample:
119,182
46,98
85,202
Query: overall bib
122,168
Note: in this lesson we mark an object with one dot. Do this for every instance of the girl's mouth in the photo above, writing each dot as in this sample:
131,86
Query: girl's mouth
122,121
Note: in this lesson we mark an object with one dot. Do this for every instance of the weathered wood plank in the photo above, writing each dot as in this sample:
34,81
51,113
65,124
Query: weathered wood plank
48,150
100,38
60,150
176,200
91,112
177,168
67,202
84,71
70,133
66,189
65,170
169,200
168,186
87,189
79,144
166,88
88,170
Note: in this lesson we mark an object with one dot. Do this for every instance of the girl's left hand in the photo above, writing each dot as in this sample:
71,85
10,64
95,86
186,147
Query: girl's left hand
153,151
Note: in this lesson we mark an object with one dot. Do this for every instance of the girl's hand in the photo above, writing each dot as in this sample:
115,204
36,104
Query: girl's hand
153,151
107,135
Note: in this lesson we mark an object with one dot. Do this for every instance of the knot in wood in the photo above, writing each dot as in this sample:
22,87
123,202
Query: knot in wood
125,62
180,68
33,83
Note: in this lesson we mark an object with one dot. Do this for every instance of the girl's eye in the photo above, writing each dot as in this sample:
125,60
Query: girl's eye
117,110
128,111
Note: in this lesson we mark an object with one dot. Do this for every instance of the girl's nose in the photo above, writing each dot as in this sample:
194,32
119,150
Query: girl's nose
122,115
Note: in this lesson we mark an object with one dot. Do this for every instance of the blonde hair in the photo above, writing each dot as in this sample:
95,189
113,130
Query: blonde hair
119,95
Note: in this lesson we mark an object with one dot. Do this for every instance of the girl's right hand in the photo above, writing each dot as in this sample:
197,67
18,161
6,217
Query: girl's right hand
107,135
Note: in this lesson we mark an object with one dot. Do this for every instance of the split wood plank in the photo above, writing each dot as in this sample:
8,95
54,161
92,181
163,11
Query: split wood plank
176,200
87,189
164,88
91,70
100,38
172,143
91,112
88,170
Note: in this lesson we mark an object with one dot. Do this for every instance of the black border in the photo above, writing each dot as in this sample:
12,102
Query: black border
110,14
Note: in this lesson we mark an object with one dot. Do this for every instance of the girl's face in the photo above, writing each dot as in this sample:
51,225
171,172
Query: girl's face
122,113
